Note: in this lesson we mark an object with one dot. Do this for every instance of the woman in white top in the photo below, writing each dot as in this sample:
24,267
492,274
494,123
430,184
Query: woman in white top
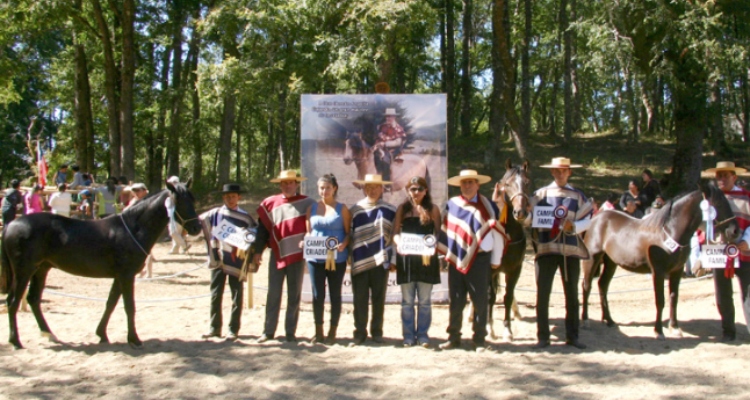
60,202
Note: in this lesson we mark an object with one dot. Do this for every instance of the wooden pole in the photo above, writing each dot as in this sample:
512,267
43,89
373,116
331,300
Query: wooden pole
250,290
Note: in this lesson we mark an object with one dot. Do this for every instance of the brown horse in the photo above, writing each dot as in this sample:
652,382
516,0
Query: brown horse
638,245
516,188
360,153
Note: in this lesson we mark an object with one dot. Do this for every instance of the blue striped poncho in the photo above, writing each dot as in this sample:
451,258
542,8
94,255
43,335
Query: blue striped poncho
372,228
464,227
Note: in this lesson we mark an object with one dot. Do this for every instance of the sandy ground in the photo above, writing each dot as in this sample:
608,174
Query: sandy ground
623,362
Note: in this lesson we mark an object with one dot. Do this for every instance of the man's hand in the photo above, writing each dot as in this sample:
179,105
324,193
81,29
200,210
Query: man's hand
568,226
743,246
495,266
498,195
257,259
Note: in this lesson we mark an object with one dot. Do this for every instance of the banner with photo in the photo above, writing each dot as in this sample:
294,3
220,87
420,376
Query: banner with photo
394,135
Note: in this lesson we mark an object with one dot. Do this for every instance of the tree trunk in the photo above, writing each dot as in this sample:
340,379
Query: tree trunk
84,120
526,72
283,154
156,164
110,84
238,145
632,106
466,86
744,78
450,70
175,129
716,120
225,136
567,71
192,77
126,94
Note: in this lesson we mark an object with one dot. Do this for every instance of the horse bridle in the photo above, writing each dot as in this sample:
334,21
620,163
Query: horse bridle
183,221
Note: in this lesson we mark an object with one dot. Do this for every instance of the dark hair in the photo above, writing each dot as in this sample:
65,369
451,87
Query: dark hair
38,187
425,215
635,183
612,197
61,187
15,184
75,168
649,173
330,178
124,180
64,166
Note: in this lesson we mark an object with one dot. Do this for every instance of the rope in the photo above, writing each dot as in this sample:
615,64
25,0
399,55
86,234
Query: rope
159,278
75,296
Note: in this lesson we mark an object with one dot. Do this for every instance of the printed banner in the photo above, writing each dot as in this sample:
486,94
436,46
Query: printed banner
396,136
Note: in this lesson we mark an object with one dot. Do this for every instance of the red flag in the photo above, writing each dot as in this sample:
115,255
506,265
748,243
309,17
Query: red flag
41,166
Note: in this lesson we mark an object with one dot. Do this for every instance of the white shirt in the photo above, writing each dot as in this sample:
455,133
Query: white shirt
60,203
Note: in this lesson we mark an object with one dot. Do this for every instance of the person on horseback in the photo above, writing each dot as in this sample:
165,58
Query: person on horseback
739,200
390,143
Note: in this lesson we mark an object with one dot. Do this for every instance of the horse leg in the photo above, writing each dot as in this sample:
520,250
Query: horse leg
658,278
608,272
34,297
15,293
494,284
511,280
126,285
674,294
114,296
588,276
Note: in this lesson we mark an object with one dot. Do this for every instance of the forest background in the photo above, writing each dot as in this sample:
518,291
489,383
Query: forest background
211,89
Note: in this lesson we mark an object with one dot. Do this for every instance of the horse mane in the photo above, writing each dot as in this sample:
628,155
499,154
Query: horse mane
143,203
660,217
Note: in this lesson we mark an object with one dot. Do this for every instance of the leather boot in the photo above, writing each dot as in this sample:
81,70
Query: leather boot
332,335
319,336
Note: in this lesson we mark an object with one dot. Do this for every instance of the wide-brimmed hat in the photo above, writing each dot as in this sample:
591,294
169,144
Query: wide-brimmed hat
390,112
560,162
232,188
373,179
288,175
138,186
468,174
173,180
726,166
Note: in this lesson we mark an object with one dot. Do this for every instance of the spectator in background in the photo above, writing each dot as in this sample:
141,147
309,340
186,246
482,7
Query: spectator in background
13,197
33,201
139,191
633,193
106,198
88,179
633,210
86,206
60,202
650,187
78,180
61,176
610,203
657,204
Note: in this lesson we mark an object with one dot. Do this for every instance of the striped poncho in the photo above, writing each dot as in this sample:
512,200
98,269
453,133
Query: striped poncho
220,254
580,209
284,219
372,228
464,227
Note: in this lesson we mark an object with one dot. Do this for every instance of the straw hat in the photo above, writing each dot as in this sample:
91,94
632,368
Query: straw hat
726,166
468,174
288,175
138,186
560,162
373,179
173,180
390,112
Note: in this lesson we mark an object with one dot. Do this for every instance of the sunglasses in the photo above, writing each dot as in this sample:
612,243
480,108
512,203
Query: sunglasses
416,189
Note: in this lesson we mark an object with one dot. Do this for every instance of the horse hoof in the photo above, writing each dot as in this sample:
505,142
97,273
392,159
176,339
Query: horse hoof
17,345
611,324
508,336
51,337
676,332
660,336
136,344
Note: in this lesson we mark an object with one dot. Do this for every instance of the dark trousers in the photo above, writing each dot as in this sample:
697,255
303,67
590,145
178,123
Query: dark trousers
293,273
9,216
725,292
372,282
318,277
476,284
546,267
218,280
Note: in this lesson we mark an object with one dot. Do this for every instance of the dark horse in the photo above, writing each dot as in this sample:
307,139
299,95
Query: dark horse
638,245
114,247
516,187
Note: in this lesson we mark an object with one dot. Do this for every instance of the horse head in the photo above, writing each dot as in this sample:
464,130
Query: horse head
184,204
725,223
517,186
355,148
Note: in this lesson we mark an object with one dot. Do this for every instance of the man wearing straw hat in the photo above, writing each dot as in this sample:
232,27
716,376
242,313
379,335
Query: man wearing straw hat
559,246
739,200
472,240
225,260
372,227
282,227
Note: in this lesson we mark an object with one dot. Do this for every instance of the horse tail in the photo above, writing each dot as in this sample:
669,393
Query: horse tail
6,274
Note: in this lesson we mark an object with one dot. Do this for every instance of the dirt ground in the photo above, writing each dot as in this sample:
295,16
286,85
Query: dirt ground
623,362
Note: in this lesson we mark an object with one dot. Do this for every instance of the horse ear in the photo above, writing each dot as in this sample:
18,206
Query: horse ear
508,164
525,165
189,183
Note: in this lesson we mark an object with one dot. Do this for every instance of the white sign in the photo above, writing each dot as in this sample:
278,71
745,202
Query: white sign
543,217
670,244
315,248
230,234
714,256
418,245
